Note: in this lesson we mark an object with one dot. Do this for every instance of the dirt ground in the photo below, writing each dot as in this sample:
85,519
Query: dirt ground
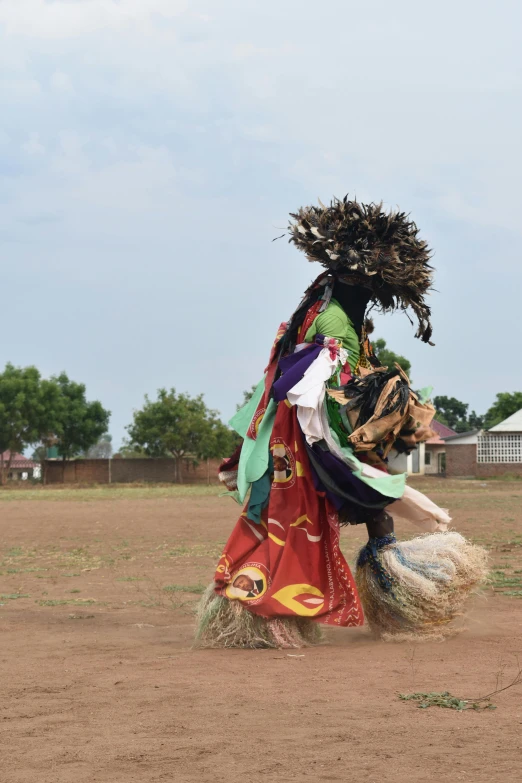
99,681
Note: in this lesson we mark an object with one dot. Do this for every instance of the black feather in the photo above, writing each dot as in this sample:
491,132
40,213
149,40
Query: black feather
381,250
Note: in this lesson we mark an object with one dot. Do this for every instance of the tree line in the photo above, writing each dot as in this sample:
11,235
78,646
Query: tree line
455,414
55,412
451,411
49,412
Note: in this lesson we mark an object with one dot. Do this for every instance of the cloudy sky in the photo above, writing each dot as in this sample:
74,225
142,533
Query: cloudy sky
150,150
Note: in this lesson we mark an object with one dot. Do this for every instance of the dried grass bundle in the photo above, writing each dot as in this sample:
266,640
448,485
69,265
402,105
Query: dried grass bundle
417,588
224,623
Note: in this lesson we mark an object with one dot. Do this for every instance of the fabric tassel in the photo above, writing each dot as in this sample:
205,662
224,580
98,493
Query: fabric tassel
416,589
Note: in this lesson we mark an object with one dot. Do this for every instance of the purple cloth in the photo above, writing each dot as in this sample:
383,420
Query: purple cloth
338,481
293,367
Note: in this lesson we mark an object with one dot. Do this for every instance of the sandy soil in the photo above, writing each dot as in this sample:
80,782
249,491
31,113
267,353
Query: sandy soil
99,681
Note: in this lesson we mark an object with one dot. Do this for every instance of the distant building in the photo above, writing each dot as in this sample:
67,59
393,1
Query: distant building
21,468
413,464
428,458
435,449
484,454
502,444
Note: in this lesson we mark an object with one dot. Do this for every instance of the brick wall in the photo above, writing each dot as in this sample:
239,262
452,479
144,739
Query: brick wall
127,471
461,460
489,470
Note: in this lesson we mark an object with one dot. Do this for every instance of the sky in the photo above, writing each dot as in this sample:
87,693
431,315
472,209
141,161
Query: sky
150,151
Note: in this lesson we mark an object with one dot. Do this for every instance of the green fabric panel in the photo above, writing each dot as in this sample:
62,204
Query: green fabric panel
336,420
335,323
234,495
387,484
260,494
425,394
240,421
255,454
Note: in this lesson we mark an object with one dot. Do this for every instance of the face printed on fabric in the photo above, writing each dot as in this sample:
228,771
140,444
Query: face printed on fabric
248,584
280,463
243,582
284,465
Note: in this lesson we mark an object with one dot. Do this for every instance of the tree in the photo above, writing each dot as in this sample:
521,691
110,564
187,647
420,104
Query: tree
101,450
81,423
388,358
49,422
28,411
180,426
247,396
475,422
226,440
505,405
128,451
453,413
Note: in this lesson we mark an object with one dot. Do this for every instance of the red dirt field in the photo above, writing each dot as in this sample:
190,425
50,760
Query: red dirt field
100,682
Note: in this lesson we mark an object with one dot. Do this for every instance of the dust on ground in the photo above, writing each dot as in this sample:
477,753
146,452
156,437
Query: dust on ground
100,683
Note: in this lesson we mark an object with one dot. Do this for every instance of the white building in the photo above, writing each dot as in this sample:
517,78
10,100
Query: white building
502,444
483,454
412,464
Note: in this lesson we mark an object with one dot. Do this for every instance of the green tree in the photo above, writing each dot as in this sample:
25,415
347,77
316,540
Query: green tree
505,405
179,426
247,396
226,440
49,423
389,358
28,411
128,451
81,423
475,422
452,412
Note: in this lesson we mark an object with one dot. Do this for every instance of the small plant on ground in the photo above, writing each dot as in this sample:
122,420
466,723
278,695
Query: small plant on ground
448,701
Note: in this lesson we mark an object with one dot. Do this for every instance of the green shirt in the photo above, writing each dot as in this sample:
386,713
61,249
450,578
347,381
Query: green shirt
335,323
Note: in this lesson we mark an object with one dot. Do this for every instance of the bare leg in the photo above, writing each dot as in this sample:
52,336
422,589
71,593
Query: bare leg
381,525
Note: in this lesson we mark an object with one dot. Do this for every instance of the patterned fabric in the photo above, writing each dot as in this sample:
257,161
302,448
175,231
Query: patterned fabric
283,558
291,564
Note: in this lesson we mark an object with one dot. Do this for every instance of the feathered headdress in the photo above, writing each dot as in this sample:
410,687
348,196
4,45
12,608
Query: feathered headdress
380,250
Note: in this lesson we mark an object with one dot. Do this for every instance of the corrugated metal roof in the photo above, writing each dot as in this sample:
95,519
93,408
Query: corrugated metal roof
435,441
441,429
513,423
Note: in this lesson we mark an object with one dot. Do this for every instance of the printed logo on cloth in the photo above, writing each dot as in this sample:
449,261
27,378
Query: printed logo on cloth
253,428
284,465
301,599
247,584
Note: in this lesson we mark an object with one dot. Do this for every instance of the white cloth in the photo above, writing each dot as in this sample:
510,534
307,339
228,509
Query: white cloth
419,509
415,507
309,393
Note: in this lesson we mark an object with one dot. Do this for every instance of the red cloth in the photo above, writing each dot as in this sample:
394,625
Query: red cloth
309,318
291,564
231,463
